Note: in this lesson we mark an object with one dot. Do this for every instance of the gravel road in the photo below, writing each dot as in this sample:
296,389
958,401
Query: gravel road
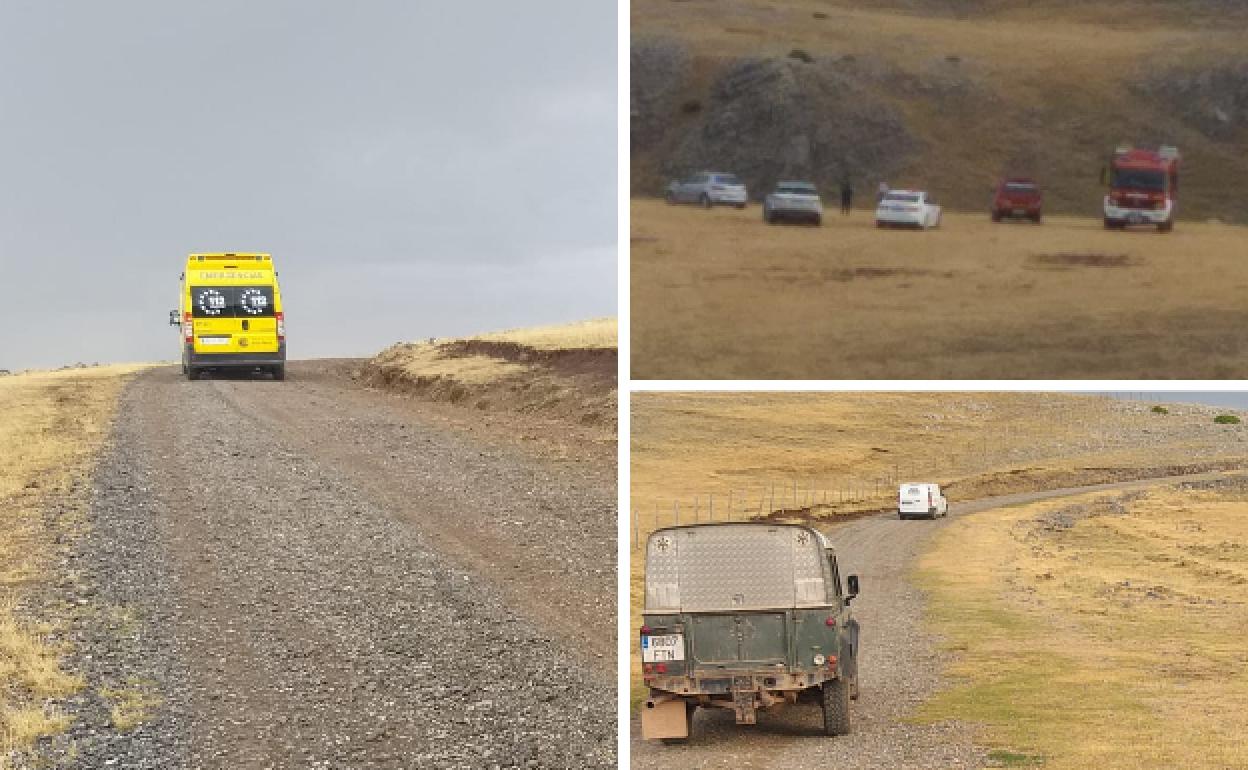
310,575
899,668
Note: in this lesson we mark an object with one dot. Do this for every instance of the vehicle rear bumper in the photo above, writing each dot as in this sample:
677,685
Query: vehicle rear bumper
1017,211
727,198
239,360
744,692
905,219
1137,216
796,213
725,682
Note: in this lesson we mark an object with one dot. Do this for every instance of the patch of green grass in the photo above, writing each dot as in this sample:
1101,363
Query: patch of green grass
1007,758
1226,419
1160,410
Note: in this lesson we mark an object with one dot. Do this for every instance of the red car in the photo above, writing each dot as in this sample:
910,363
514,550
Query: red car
1017,197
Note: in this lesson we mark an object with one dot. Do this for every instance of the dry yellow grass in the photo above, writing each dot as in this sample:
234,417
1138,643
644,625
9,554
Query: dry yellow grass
592,334
447,358
688,447
719,294
1039,42
51,425
1112,641
431,360
130,704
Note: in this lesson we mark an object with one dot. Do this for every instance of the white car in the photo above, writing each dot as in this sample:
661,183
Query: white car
708,188
794,201
907,208
915,499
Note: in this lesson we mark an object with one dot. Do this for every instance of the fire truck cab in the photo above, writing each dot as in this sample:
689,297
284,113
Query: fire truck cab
1143,187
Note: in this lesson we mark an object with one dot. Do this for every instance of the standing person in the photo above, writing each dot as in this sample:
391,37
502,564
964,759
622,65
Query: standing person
883,190
847,197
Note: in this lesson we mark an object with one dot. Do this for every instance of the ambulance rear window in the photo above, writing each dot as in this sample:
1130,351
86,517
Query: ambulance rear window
232,302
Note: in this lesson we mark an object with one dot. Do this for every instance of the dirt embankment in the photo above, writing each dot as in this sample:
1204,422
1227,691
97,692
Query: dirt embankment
576,385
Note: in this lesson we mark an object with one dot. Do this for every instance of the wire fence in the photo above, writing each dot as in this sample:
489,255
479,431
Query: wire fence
1001,448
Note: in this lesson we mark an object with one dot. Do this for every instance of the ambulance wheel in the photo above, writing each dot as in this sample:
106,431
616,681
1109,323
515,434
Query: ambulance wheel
836,707
192,373
279,372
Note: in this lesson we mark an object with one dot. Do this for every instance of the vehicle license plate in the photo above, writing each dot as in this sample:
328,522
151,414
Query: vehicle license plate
214,340
1135,217
1019,212
662,647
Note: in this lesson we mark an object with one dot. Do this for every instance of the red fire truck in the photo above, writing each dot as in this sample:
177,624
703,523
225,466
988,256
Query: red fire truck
1143,187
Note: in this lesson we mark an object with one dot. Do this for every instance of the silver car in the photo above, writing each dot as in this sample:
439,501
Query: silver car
708,188
793,201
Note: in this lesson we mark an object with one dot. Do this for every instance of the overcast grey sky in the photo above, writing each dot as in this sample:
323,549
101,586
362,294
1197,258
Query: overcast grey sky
416,168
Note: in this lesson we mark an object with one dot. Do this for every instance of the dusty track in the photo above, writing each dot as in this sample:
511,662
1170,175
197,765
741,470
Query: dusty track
320,576
900,667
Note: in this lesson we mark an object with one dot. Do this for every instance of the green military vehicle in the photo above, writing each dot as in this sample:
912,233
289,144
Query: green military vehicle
745,616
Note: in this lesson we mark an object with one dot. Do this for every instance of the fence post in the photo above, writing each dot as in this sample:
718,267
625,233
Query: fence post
710,515
676,511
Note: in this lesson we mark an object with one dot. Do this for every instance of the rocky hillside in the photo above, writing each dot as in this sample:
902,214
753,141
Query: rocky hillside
945,95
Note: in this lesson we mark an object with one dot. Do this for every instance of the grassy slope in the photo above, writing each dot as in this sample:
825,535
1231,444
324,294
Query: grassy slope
565,371
51,424
1113,643
697,444
719,294
1056,70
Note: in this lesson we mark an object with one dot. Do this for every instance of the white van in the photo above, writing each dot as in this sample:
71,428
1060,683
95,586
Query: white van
921,499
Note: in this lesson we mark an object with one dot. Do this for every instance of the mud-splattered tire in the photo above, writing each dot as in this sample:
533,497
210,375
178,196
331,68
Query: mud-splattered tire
836,707
279,372
192,373
704,201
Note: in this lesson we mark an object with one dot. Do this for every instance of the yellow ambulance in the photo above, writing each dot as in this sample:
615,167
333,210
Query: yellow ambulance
231,315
